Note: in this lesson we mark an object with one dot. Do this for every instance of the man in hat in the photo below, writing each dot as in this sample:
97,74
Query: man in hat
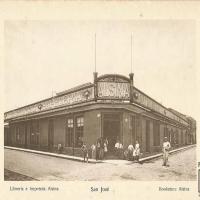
166,148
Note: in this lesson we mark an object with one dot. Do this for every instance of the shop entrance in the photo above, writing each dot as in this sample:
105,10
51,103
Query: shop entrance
111,130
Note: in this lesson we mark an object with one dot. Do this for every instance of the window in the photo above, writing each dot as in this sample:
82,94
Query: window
138,129
156,133
147,135
69,133
133,129
165,132
173,138
177,137
18,137
181,137
79,131
186,137
34,132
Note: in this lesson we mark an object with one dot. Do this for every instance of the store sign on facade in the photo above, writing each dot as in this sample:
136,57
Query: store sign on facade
146,101
57,101
113,90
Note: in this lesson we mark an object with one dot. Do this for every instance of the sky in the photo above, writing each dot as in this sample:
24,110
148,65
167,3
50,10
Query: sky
46,56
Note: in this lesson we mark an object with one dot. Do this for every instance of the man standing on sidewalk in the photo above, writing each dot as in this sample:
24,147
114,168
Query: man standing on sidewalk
85,153
166,148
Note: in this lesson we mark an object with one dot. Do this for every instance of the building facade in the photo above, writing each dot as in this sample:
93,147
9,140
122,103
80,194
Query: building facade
110,107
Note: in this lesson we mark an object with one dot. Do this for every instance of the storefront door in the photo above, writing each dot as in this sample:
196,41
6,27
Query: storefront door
111,129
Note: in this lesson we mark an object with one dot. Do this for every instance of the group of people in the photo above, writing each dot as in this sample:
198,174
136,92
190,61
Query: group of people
133,152
98,150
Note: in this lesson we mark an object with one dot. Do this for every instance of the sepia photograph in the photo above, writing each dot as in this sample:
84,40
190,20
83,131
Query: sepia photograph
100,100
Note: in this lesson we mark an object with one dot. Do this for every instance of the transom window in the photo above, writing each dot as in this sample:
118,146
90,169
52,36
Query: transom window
70,123
80,121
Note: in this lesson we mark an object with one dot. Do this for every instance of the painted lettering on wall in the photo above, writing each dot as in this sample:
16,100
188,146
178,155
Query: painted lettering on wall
113,90
146,101
57,101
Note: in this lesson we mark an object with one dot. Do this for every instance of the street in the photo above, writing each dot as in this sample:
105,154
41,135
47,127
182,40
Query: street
182,168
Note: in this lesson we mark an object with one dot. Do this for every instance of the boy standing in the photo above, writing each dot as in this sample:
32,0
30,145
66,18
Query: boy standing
85,152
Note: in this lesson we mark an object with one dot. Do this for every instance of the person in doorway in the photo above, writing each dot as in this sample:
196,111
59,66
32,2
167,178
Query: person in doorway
165,149
93,150
85,153
137,151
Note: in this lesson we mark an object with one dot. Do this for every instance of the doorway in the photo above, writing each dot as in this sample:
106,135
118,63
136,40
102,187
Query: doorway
111,130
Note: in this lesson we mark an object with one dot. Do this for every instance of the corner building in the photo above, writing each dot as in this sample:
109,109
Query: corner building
110,107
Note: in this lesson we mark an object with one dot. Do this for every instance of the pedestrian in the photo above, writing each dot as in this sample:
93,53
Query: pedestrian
121,151
105,148
134,155
166,148
106,141
60,148
137,151
85,153
130,152
93,149
98,149
117,144
101,153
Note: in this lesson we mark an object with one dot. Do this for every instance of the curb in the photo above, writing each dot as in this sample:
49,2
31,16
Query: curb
75,158
142,160
80,159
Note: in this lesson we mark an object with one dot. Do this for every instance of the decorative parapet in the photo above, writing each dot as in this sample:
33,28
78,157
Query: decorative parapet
146,101
54,102
109,87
